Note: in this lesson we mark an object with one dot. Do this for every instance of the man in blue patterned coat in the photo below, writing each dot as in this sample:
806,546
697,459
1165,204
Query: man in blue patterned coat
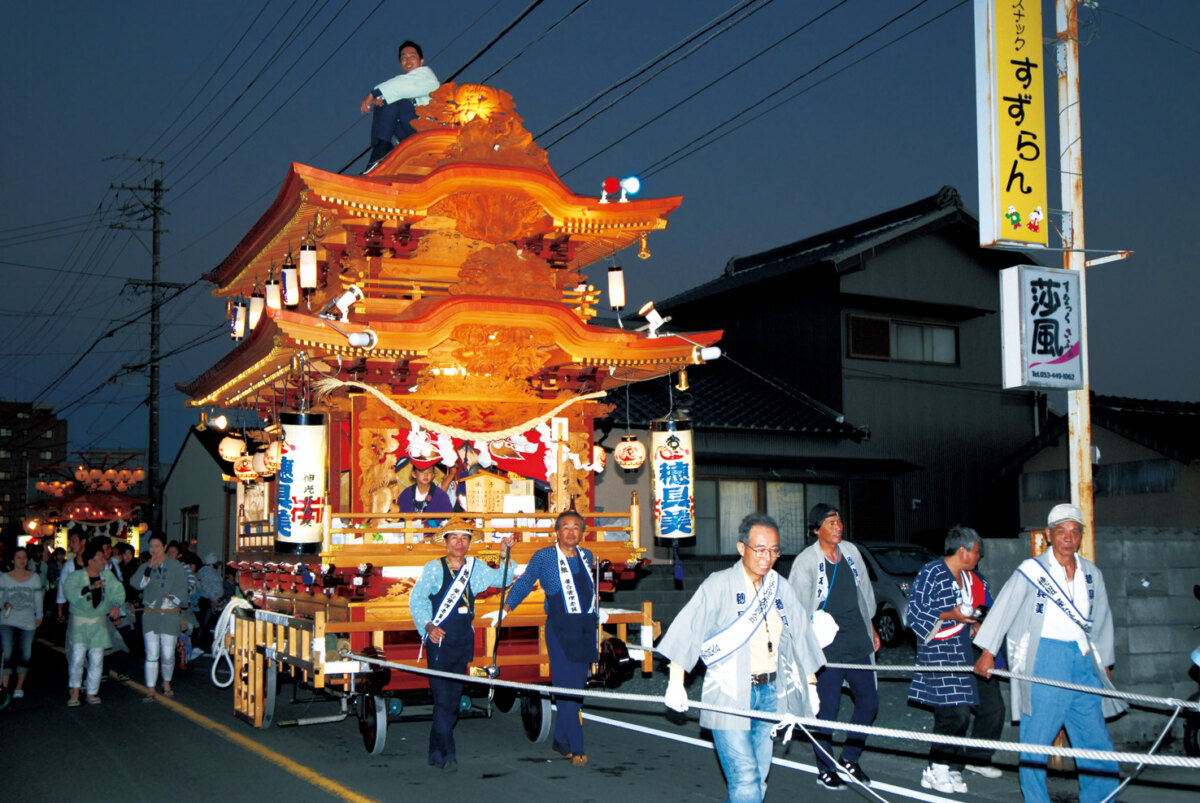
944,596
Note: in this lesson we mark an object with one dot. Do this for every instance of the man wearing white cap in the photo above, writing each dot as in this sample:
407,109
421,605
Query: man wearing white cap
1055,613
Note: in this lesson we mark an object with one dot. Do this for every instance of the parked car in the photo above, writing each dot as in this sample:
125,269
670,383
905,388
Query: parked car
892,567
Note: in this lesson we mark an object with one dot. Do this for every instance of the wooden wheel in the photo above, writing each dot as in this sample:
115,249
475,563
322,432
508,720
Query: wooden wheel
270,683
372,722
535,717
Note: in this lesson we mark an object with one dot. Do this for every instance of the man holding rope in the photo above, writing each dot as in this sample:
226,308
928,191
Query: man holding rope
830,579
755,639
565,572
1054,610
442,604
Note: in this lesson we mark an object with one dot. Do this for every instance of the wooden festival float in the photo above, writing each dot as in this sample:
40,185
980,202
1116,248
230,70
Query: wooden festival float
435,307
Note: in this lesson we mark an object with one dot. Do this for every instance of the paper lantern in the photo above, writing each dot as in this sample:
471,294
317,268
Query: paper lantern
231,448
630,454
300,488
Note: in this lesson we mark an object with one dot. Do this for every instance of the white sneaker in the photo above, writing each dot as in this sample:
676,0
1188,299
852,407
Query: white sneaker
985,771
18,694
956,779
937,778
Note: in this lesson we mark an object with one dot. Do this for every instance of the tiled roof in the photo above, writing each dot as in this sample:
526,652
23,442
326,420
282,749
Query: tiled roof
726,396
1170,428
835,245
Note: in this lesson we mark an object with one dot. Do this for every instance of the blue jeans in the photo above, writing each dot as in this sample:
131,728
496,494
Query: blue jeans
745,756
866,706
1081,714
390,123
11,637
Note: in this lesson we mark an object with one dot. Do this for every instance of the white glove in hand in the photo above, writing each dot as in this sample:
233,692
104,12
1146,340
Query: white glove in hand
676,697
813,698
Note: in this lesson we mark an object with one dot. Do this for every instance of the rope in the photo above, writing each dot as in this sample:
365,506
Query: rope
786,722
1133,697
324,387
223,628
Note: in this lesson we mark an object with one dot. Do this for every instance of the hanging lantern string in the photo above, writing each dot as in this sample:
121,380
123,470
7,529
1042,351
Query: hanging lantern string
323,387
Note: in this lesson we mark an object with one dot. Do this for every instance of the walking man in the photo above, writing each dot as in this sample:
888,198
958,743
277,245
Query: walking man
755,639
830,579
1054,611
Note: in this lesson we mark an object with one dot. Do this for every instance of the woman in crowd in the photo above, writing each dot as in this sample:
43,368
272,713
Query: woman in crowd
93,592
21,598
164,587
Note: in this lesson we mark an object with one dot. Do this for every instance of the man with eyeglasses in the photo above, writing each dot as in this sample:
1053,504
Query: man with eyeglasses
830,579
759,650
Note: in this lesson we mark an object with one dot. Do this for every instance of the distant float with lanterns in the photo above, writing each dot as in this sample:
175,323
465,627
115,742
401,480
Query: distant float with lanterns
431,312
96,494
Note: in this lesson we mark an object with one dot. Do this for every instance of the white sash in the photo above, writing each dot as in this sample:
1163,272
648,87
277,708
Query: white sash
454,594
822,586
570,594
965,598
720,646
1033,571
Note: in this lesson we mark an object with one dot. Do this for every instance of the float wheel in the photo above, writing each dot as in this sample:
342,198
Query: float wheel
372,723
535,717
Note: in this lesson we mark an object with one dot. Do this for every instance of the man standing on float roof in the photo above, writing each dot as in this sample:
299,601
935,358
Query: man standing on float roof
395,101
756,641
442,604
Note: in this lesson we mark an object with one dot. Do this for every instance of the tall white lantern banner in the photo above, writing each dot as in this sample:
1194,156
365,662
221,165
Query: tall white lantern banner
300,494
672,480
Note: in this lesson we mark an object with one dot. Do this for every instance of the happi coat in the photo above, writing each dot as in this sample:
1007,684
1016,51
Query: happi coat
714,607
1019,612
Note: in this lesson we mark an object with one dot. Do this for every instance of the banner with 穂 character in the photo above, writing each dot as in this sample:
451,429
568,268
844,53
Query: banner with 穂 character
672,480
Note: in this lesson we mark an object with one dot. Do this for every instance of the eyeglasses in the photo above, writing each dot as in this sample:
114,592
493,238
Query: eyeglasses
764,551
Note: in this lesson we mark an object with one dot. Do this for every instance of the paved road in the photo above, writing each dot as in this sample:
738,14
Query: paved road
193,748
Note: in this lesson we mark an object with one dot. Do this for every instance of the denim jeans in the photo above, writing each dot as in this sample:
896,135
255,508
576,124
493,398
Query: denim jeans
745,756
1081,714
20,641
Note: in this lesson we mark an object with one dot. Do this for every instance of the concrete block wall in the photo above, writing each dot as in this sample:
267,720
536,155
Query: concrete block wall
1149,573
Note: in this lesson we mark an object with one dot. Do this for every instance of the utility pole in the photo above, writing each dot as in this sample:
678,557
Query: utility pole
154,211
1079,411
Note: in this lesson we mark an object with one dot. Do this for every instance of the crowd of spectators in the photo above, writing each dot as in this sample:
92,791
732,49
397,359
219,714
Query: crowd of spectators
107,610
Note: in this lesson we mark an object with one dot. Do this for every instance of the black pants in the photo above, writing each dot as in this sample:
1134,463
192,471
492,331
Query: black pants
953,720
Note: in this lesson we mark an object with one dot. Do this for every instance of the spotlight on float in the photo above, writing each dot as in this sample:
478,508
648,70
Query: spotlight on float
654,320
702,354
349,297
629,186
609,187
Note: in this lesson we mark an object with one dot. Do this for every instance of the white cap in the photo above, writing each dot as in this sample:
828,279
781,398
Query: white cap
1061,513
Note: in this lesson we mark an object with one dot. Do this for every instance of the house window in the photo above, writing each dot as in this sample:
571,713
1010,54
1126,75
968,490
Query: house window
5,432
48,434
5,453
4,475
46,455
874,338
721,504
1108,479
189,525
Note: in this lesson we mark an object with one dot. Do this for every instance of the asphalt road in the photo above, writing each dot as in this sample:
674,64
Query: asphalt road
193,748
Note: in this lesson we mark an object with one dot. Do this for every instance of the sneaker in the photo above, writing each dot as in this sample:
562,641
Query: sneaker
937,778
579,760
956,779
852,769
18,694
985,771
450,766
829,780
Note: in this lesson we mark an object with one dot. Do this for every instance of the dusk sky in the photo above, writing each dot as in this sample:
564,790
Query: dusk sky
227,94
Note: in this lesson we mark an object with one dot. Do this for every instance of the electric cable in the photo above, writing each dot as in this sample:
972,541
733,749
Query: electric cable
540,37
496,38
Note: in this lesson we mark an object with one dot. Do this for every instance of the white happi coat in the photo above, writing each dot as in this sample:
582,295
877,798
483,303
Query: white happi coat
716,605
1019,613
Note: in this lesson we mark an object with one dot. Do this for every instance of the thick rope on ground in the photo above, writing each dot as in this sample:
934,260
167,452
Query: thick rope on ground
788,721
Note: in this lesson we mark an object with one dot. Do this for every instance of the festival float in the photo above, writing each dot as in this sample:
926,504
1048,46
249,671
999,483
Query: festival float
93,495
433,310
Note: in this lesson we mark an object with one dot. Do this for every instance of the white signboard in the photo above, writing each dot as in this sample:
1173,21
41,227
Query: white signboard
1040,312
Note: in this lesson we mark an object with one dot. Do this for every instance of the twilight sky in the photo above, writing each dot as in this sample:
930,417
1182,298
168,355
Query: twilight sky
227,94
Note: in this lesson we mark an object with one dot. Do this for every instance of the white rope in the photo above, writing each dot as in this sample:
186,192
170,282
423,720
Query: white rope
790,721
1147,699
327,385
224,628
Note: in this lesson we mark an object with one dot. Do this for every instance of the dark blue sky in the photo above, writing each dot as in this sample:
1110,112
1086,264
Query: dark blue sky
87,81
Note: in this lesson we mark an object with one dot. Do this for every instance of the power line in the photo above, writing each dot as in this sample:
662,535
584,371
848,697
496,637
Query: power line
540,37
1148,29
690,52
680,154
497,38
705,88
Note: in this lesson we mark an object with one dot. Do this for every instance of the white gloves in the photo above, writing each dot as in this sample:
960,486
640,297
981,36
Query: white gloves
813,698
676,697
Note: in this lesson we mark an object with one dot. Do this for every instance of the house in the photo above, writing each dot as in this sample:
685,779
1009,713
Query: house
1147,471
861,368
198,504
